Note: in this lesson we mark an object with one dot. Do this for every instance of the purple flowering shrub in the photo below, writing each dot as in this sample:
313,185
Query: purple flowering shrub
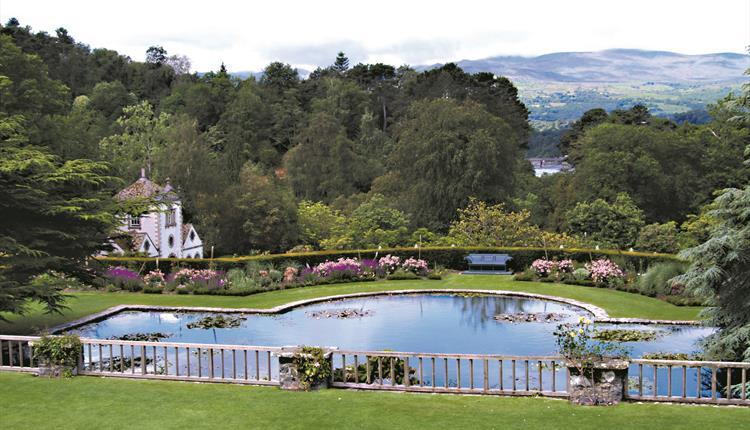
343,268
124,278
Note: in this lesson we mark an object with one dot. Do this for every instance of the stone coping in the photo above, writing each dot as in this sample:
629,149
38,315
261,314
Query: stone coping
599,314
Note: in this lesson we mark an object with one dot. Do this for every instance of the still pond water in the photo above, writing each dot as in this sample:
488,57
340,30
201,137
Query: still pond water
439,323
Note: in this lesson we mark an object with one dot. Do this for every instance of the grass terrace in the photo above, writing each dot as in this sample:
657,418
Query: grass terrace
36,402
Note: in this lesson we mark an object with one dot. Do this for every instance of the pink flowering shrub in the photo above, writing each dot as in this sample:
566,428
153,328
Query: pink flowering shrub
416,266
605,271
565,266
389,263
543,267
206,278
154,279
290,275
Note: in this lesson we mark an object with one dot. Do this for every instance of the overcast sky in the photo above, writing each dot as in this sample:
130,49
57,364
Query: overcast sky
307,33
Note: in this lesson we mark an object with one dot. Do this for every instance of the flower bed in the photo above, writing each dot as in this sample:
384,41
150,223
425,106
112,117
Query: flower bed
601,273
256,278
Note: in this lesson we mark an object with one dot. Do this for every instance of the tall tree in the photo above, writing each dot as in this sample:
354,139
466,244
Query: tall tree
265,213
156,55
341,64
325,164
611,225
55,215
445,152
244,131
140,139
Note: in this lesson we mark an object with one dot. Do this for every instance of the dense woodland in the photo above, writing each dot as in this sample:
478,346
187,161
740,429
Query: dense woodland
359,155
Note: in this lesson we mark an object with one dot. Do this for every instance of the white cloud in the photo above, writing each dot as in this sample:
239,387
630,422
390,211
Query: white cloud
248,36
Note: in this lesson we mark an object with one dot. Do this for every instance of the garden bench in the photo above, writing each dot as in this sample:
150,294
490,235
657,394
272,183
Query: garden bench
488,264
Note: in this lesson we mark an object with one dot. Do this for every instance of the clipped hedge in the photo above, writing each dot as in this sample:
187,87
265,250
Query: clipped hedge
449,257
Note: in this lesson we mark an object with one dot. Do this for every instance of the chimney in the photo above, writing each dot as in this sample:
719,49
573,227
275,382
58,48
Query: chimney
143,173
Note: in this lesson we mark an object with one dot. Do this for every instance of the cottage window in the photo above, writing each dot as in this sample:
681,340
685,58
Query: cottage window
192,235
134,222
171,241
171,218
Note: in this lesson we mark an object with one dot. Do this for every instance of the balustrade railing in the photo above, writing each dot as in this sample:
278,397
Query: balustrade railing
675,381
450,373
180,361
683,381
16,354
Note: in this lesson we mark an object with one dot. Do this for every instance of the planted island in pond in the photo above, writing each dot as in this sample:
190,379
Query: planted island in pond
217,321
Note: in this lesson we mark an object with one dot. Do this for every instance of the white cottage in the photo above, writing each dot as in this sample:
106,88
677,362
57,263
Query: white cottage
161,232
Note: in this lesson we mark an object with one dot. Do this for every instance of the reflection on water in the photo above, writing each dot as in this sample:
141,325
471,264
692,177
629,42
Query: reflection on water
425,323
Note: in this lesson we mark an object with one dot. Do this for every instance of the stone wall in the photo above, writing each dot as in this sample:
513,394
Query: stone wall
604,384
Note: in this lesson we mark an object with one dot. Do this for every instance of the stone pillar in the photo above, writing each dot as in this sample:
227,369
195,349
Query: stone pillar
289,373
604,384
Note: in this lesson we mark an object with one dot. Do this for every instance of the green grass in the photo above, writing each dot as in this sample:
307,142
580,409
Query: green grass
87,402
616,303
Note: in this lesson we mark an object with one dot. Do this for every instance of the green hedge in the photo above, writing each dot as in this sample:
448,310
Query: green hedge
449,257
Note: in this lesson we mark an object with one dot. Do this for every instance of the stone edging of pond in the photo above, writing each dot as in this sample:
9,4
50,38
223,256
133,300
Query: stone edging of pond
599,314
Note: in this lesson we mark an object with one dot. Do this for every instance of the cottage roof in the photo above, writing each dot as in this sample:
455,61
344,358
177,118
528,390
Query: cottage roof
185,231
146,188
132,240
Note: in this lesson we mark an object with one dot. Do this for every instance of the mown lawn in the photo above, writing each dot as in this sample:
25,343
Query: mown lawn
87,402
616,303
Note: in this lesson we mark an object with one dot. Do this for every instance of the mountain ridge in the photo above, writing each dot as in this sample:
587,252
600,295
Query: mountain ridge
613,65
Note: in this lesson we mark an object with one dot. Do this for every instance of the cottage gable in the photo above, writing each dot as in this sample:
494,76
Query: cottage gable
160,232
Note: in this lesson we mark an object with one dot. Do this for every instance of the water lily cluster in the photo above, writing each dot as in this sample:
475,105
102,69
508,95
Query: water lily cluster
604,270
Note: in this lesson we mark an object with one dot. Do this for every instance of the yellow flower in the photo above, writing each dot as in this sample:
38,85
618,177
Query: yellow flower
580,331
573,334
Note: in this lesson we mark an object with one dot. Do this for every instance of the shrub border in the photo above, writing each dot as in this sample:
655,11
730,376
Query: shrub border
448,256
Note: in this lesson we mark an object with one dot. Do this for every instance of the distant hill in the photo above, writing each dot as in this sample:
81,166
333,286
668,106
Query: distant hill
557,88
614,65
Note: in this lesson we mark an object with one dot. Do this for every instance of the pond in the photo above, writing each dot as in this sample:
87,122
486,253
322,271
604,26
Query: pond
438,323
